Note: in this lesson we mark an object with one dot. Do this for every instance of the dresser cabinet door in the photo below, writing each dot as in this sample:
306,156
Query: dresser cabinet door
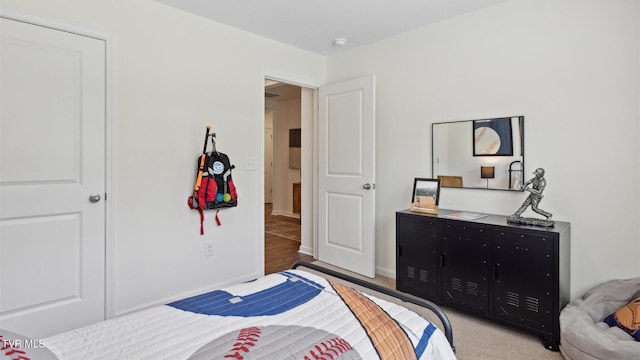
523,272
464,266
416,258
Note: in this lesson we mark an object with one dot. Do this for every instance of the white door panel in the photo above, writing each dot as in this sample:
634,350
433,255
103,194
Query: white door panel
52,157
345,129
30,241
344,232
346,147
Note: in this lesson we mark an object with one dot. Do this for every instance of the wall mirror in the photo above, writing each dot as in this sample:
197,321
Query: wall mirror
480,154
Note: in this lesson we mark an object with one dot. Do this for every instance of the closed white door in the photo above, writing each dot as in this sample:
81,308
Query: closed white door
346,175
52,179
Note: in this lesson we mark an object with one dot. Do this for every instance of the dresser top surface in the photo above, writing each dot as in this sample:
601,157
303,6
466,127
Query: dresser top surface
492,219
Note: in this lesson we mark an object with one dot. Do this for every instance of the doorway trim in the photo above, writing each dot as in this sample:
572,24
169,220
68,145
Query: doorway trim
109,131
307,155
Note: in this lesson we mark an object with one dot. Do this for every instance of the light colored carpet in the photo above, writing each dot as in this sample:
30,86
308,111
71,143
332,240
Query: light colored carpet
473,337
283,229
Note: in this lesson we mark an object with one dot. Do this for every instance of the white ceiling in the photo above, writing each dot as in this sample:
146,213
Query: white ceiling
281,91
314,24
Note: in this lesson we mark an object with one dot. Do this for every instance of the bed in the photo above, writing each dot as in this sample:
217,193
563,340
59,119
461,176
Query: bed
294,314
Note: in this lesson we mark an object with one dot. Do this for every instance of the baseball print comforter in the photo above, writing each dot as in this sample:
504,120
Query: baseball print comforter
289,315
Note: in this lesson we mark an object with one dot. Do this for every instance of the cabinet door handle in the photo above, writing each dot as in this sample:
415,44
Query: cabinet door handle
399,250
442,262
495,272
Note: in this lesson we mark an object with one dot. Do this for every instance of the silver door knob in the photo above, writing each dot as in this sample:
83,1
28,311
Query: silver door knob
366,186
94,198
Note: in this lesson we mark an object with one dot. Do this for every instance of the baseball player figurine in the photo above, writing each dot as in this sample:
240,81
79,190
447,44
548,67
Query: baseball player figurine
535,186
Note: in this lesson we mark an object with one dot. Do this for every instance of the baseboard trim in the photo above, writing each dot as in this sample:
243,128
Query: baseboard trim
386,272
305,250
285,213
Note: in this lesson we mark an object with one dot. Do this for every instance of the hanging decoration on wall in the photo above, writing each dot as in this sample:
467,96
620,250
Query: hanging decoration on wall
214,187
295,145
535,187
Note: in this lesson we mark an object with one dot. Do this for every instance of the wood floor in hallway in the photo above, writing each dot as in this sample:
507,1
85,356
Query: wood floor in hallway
280,252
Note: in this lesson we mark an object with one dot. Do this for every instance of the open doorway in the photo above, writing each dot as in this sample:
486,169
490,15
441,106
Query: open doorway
283,175
337,176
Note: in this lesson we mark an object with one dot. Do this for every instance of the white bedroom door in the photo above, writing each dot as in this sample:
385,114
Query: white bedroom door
346,175
52,179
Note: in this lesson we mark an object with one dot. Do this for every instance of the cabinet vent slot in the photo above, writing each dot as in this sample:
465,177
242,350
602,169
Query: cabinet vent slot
411,272
456,284
532,304
472,288
513,299
424,275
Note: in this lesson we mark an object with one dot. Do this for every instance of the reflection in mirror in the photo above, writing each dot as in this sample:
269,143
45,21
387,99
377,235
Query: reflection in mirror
462,149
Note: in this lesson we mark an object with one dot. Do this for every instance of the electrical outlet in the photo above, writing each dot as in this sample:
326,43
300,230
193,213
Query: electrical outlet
208,248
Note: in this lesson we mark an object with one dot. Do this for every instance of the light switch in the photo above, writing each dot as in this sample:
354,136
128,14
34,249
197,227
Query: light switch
252,164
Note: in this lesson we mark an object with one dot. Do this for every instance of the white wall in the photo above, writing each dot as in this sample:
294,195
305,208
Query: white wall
571,67
175,73
286,116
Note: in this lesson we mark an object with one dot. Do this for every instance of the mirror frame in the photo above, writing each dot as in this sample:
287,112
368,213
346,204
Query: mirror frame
511,161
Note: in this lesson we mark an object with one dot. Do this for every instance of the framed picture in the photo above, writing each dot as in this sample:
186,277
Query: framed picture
492,137
426,195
